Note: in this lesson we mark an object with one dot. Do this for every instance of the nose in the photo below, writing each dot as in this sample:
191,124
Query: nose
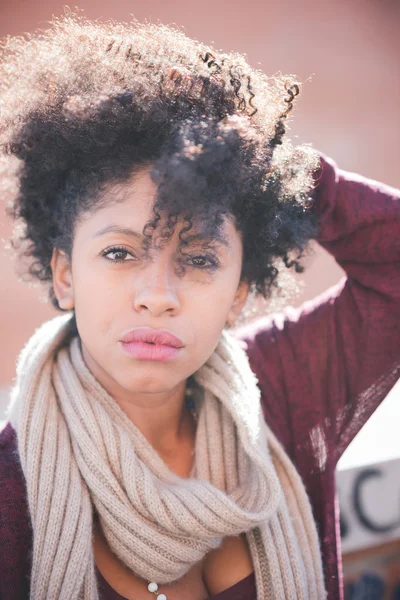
156,291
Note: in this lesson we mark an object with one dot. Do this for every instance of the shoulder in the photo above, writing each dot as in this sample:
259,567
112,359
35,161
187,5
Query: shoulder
264,341
13,497
275,342
11,475
276,346
15,526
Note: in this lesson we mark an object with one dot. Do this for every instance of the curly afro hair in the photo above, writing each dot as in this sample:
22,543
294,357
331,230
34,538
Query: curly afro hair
84,105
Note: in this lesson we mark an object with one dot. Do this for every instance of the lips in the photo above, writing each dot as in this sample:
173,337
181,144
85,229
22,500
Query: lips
159,337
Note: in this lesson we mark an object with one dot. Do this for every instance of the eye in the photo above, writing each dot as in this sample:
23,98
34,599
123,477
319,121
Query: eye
205,261
119,254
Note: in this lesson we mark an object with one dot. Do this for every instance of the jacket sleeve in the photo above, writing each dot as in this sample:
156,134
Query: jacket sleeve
15,524
331,362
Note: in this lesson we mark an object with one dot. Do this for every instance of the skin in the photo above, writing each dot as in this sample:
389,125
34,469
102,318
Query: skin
110,298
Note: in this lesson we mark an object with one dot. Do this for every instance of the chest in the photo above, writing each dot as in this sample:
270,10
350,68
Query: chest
219,570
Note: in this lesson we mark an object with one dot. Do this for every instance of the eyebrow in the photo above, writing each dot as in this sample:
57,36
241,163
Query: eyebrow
118,229
219,237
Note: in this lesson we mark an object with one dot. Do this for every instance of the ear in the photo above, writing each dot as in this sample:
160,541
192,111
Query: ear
239,301
62,279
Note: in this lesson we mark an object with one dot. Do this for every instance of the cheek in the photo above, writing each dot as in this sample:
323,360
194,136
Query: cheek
208,322
93,282
215,303
210,307
97,299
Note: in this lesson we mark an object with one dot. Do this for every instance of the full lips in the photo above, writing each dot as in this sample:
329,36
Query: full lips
146,351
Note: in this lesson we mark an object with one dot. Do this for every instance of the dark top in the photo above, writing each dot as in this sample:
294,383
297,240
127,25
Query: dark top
322,368
242,590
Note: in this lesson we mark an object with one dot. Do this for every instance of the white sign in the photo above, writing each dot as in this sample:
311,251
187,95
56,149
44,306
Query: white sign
369,500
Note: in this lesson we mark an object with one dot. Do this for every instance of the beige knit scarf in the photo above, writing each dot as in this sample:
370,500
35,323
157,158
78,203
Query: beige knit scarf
79,449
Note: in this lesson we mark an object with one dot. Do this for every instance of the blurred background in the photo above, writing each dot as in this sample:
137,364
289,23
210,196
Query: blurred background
347,53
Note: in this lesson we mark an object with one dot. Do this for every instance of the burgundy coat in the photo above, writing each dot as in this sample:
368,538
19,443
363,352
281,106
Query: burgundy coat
322,368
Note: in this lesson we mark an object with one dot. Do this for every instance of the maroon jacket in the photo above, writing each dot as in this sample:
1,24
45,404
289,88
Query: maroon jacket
322,369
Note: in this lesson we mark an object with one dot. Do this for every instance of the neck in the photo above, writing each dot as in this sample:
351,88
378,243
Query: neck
162,418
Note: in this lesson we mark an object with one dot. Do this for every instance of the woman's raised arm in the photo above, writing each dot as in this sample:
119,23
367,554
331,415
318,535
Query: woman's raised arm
325,367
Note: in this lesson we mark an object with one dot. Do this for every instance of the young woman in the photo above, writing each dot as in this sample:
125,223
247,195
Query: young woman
149,449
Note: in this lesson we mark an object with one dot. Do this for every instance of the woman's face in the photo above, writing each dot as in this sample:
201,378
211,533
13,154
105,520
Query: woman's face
114,288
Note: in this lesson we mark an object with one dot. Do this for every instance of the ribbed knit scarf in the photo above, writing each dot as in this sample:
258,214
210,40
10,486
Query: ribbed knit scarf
78,449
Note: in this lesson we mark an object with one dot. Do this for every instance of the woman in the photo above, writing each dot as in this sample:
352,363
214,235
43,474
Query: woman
150,450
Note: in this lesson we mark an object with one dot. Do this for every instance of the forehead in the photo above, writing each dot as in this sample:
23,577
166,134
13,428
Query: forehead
137,193
129,205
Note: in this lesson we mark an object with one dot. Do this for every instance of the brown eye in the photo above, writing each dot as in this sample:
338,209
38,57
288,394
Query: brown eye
199,261
116,254
204,261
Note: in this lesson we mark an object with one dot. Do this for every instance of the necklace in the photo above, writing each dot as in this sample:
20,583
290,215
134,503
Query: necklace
153,588
190,404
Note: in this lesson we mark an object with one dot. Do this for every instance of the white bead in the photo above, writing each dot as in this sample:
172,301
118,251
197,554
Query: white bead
161,597
152,587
